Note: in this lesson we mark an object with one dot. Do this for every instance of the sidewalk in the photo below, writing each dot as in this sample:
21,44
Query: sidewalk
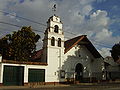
59,85
37,86
12,87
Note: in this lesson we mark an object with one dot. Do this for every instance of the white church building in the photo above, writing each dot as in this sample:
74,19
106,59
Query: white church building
58,61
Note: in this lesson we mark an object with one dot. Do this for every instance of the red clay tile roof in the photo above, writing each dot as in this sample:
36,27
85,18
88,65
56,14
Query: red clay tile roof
74,41
38,54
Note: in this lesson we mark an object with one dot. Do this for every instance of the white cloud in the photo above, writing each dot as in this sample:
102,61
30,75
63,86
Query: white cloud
73,15
85,2
105,52
99,19
77,18
103,34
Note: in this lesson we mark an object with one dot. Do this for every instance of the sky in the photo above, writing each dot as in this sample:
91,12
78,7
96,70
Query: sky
98,19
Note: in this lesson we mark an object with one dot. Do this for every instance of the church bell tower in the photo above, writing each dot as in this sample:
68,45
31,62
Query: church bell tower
53,42
53,48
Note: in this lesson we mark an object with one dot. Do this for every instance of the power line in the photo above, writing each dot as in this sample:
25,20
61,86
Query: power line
101,44
97,43
23,18
70,32
26,20
29,20
10,24
18,26
3,28
22,26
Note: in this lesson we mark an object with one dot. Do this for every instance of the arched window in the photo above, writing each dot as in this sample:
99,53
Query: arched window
59,42
56,28
53,41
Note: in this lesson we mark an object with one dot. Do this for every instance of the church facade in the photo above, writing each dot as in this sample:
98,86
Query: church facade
75,59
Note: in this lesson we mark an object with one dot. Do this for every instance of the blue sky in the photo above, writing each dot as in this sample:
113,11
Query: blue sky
112,8
98,19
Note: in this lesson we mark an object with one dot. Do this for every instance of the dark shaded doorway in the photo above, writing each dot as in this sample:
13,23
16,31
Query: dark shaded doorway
79,72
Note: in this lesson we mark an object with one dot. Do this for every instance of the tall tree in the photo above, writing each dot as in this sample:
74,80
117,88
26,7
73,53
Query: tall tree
20,45
115,52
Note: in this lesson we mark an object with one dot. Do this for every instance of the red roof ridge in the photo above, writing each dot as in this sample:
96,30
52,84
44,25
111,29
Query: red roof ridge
73,42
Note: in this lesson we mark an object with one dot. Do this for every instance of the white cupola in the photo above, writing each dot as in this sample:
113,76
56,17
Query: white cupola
54,33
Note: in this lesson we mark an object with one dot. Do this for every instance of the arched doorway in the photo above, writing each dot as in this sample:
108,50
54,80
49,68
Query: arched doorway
79,72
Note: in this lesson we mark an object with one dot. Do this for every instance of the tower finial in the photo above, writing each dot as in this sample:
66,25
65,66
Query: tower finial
54,8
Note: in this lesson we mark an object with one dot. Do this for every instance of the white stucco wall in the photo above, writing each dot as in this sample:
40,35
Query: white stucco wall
1,73
96,68
26,67
53,54
0,58
54,58
90,64
53,64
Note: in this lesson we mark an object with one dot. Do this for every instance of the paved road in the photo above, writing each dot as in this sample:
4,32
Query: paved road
72,87
68,88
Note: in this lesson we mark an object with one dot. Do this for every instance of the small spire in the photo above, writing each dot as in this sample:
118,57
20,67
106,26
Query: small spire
54,8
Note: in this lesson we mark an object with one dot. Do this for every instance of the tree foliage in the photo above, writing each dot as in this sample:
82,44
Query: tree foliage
115,52
20,45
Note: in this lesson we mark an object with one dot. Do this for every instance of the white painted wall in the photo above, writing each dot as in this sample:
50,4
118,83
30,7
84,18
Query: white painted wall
54,54
26,67
0,58
53,65
1,73
97,67
90,64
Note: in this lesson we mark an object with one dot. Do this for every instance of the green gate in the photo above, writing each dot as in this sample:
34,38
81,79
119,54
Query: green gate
13,75
36,75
